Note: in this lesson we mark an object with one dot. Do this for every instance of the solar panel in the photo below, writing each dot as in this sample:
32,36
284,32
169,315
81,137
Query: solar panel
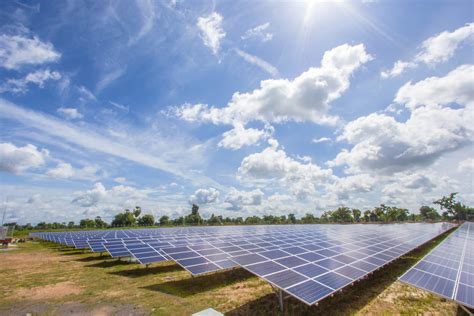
312,275
308,262
448,270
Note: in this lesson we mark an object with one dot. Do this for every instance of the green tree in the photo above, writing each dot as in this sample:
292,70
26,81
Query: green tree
99,223
194,218
367,214
70,224
342,215
429,213
292,218
146,220
86,223
124,219
454,209
164,220
356,214
137,211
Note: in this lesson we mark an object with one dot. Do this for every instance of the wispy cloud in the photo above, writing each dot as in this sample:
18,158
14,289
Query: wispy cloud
86,137
108,78
147,12
259,32
260,63
211,31
38,78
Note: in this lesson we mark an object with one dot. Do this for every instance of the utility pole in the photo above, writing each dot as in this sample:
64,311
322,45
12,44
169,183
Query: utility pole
4,209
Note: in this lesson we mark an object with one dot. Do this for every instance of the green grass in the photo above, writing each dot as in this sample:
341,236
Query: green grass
103,283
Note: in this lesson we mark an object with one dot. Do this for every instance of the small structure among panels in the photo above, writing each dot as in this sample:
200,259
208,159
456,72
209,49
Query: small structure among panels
448,270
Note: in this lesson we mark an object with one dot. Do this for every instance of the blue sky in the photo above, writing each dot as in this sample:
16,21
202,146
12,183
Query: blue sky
242,107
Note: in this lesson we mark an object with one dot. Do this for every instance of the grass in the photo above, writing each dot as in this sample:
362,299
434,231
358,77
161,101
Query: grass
45,278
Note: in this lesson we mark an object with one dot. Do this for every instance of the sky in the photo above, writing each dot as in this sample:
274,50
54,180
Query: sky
242,107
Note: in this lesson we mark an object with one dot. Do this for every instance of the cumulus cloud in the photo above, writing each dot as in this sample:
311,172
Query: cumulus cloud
274,164
22,49
65,170
240,136
211,31
38,78
259,33
204,196
70,113
238,199
383,144
305,98
19,159
455,87
90,197
118,196
260,63
434,50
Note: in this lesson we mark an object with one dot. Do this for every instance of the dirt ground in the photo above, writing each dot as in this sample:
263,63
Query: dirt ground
46,279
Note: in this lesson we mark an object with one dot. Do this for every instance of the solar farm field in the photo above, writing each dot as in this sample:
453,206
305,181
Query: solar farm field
52,278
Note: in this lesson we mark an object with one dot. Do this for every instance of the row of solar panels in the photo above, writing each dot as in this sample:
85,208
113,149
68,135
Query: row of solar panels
448,270
308,262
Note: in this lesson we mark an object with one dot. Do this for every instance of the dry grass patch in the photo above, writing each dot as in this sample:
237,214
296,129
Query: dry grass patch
48,292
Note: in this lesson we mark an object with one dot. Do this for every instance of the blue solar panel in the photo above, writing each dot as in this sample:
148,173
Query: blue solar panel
446,270
292,257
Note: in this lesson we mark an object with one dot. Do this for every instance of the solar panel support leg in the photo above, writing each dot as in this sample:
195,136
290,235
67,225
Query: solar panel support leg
466,310
280,300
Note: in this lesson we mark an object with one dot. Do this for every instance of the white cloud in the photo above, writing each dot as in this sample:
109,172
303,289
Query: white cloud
258,32
62,170
119,106
467,165
238,199
147,14
38,77
120,180
398,68
321,140
382,144
90,197
119,196
67,171
260,63
131,149
240,136
306,98
108,78
343,188
211,31
19,159
434,50
274,164
204,196
456,86
19,50
70,113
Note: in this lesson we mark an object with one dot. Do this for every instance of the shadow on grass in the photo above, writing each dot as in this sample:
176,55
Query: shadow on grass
109,264
141,271
351,299
94,258
190,286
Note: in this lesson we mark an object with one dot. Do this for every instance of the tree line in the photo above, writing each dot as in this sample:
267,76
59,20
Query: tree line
452,210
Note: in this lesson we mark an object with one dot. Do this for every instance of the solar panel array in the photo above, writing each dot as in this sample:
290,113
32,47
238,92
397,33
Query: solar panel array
308,262
448,270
